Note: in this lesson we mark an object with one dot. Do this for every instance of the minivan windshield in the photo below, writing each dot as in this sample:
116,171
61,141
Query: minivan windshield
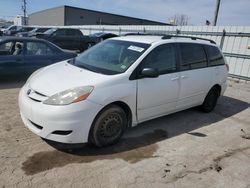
111,56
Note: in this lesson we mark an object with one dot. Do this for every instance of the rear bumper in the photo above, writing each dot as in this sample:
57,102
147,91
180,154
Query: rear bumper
66,124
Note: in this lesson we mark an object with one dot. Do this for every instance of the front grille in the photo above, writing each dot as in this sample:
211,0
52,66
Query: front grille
35,99
36,96
35,125
40,94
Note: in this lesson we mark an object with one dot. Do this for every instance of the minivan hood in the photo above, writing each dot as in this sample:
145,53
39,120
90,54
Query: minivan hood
62,76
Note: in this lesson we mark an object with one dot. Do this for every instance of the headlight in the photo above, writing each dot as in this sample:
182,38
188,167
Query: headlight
70,96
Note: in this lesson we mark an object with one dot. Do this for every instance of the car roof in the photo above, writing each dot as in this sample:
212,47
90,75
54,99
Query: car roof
150,39
4,38
10,38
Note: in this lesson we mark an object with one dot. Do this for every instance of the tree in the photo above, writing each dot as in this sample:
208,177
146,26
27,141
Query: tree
179,19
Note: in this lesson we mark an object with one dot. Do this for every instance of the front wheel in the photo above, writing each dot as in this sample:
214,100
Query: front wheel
210,100
108,126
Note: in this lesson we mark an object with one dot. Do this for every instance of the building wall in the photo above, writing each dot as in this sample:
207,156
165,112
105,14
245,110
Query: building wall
20,20
49,17
67,15
77,16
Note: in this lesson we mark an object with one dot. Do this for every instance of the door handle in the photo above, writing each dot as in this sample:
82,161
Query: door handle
184,77
176,78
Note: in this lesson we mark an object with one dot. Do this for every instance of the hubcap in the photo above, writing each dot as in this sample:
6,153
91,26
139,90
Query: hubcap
111,126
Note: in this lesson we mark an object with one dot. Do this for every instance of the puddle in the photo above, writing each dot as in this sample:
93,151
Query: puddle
131,149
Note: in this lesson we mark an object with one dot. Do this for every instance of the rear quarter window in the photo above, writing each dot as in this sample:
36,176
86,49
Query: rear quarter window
215,56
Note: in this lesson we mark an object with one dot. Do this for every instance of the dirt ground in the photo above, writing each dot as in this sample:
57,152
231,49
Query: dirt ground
186,149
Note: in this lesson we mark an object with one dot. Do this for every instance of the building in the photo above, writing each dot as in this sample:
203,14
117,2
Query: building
20,20
67,15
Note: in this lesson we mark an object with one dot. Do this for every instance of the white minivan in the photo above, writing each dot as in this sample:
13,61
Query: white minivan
119,83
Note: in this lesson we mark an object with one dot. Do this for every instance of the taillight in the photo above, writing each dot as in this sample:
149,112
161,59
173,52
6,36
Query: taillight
227,67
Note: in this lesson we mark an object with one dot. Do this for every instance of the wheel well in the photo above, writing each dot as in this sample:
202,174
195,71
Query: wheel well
217,86
126,109
122,105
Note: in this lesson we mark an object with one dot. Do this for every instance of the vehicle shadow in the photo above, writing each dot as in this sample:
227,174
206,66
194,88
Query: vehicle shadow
153,131
139,142
12,82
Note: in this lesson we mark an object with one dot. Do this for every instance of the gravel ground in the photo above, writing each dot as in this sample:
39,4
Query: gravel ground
185,149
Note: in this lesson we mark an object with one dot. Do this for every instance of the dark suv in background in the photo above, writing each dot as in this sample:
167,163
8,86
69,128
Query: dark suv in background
67,38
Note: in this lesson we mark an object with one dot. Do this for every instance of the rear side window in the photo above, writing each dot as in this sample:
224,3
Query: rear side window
193,56
38,48
73,32
70,32
78,33
60,32
6,46
162,58
215,57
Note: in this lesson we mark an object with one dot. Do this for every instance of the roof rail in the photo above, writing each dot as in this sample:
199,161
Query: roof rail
144,34
166,36
183,36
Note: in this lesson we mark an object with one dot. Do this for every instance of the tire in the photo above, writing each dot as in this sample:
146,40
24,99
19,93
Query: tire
210,100
108,126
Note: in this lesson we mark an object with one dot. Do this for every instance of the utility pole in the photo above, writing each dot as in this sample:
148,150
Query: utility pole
24,11
216,12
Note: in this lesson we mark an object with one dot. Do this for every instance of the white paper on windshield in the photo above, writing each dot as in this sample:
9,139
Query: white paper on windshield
135,48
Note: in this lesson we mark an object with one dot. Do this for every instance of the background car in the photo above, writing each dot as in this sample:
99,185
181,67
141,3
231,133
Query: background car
11,30
67,38
100,36
22,56
38,31
22,30
33,32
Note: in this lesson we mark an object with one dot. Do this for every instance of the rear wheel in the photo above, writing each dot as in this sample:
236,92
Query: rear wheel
108,126
211,100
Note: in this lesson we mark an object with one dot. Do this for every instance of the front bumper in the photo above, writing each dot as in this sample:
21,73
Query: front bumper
66,124
223,87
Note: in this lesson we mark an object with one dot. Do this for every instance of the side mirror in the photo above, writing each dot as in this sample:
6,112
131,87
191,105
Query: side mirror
149,73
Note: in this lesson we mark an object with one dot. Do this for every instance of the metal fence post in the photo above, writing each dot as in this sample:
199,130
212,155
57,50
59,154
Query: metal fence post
120,30
178,31
222,38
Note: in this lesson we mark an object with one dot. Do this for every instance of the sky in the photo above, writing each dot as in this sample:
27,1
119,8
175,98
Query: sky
232,12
